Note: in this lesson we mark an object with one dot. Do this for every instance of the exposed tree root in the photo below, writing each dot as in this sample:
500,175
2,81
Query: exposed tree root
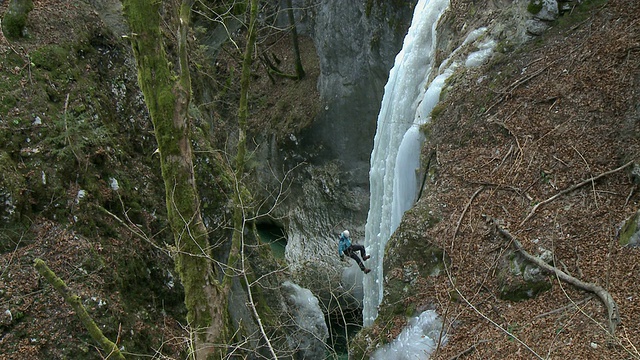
605,297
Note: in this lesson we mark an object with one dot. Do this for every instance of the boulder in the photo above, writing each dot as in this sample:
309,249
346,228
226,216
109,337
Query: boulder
519,280
629,233
546,10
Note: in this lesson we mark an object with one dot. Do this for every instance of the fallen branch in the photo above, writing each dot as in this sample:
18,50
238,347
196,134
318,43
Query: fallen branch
469,350
75,302
605,297
463,213
567,190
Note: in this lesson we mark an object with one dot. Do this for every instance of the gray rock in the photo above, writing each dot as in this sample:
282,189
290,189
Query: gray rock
549,10
629,233
310,331
536,27
546,256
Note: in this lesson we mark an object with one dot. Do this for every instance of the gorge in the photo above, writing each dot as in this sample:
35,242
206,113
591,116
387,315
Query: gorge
498,116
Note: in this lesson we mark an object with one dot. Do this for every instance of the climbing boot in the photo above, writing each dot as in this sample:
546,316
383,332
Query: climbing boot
366,271
366,257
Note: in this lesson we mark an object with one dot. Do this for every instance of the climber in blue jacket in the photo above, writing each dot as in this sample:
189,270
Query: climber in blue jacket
345,247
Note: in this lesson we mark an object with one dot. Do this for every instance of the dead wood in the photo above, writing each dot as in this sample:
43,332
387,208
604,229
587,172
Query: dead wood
574,187
464,212
76,303
605,297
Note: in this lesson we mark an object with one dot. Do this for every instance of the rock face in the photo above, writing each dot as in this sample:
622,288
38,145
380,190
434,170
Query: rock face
356,43
310,330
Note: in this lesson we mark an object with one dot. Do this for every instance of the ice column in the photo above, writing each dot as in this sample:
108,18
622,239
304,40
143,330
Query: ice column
392,176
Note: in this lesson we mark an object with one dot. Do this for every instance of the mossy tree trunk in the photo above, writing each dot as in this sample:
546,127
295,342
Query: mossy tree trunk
241,197
167,97
76,303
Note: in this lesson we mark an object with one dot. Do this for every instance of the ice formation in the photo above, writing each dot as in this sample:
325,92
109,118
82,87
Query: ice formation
416,341
408,101
391,195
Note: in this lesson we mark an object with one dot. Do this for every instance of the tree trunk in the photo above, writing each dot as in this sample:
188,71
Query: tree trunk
167,99
242,196
76,303
294,37
243,114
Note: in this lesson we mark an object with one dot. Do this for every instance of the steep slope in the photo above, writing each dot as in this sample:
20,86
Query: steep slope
510,142
541,119
76,152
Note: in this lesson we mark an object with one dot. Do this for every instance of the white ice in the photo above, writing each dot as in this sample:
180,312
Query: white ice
404,92
416,341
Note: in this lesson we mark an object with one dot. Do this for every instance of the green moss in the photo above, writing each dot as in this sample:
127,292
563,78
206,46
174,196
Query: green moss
524,290
437,110
51,57
534,6
15,18
629,232
579,13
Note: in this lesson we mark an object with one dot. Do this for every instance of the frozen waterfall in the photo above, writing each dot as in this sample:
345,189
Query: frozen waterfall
406,104
408,101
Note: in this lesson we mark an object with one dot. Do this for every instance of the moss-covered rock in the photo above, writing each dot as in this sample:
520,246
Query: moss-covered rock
630,232
519,291
520,280
51,57
15,19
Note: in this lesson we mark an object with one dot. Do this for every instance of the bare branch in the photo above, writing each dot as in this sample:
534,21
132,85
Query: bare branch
605,297
574,187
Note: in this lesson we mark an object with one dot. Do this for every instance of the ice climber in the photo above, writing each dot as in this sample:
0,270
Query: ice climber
345,247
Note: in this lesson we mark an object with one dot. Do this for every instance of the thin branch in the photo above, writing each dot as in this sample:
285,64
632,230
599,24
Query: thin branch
509,89
574,187
464,212
566,307
509,333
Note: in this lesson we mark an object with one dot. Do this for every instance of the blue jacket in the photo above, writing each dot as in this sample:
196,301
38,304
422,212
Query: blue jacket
343,244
